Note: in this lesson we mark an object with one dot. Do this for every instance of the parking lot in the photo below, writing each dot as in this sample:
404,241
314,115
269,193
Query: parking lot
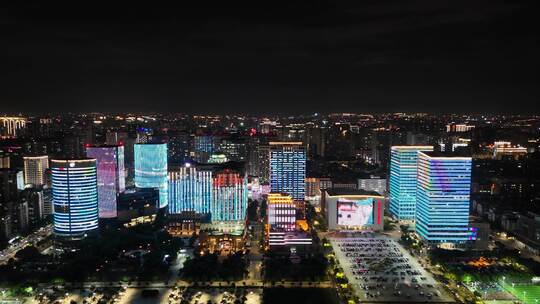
381,270
183,295
215,295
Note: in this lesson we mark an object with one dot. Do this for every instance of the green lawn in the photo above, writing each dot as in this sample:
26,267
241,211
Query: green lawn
529,294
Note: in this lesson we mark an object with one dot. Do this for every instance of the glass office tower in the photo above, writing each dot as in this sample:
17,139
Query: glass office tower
151,168
443,196
288,169
403,170
75,196
110,175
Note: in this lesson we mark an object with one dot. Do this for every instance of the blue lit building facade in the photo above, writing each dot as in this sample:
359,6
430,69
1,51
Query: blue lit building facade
151,169
403,176
443,196
221,195
74,197
110,176
203,145
230,194
190,190
288,169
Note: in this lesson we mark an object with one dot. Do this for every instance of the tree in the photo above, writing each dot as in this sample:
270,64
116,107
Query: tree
28,254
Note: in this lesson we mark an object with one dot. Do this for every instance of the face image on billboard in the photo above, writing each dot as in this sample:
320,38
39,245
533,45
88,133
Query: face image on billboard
355,212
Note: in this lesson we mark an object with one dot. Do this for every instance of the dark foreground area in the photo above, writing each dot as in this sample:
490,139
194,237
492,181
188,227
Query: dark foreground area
300,296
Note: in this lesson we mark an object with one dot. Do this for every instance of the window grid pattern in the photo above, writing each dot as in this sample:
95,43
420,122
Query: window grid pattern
443,197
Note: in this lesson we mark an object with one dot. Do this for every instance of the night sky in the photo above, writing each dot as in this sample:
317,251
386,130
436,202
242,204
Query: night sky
270,56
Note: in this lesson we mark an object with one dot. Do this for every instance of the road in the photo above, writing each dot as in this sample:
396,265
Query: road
255,256
213,284
511,243
31,239
174,270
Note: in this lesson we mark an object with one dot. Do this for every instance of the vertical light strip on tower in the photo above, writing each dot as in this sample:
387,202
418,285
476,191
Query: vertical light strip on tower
190,190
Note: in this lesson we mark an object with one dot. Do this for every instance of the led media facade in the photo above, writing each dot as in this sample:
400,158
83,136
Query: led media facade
403,167
355,212
223,195
288,169
75,196
151,169
230,197
349,209
110,176
190,190
281,212
444,185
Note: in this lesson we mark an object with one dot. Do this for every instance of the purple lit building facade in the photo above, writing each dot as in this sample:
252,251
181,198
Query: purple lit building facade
110,176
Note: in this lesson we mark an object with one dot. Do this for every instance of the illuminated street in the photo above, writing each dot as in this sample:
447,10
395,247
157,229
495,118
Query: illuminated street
32,239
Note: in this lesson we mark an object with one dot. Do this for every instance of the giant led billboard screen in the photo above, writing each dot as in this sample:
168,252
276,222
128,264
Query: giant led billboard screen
355,213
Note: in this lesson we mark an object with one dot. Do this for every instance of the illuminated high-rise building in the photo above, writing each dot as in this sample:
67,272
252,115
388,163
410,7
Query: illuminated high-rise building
453,127
313,187
115,137
75,196
179,146
144,135
283,227
230,193
234,149
281,212
11,127
259,162
443,197
288,169
36,205
151,169
34,169
374,183
110,176
5,162
505,149
190,189
403,167
203,145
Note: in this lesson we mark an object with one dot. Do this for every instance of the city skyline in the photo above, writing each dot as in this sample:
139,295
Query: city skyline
306,152
271,204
